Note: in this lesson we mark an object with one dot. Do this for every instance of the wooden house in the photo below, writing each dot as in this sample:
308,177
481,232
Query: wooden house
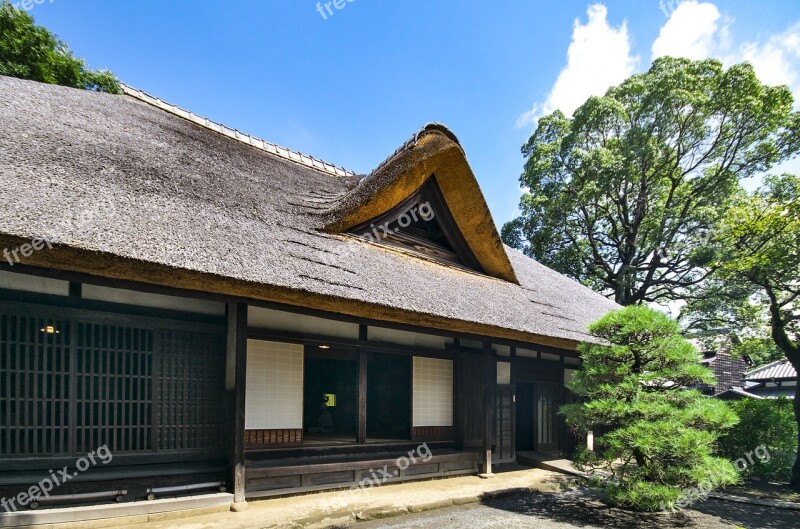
222,312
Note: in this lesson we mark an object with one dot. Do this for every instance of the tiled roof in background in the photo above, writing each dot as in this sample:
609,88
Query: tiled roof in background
779,369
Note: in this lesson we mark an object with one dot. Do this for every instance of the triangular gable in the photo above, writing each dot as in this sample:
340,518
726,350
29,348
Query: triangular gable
430,166
423,224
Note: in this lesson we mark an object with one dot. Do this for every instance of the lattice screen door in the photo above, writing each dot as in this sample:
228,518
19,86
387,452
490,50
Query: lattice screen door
68,386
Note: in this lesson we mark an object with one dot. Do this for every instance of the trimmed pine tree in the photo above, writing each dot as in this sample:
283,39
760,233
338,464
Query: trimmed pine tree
657,437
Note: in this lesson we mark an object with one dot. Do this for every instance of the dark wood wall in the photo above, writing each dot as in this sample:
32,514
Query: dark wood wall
74,380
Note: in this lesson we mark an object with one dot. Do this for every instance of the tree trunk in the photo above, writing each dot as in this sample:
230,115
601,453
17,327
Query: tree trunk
792,352
796,468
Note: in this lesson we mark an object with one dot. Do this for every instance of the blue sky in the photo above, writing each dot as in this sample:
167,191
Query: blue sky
351,87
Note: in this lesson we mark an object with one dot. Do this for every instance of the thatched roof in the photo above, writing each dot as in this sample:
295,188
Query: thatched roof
127,190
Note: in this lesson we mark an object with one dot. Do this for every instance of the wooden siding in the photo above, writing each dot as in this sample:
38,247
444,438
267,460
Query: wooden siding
151,390
432,433
290,476
273,438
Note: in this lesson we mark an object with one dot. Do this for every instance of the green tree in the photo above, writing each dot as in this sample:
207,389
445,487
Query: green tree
770,423
621,195
757,281
760,349
659,437
31,52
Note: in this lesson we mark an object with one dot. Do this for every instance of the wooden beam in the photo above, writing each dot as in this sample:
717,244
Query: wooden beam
236,390
334,312
362,387
63,263
489,384
362,396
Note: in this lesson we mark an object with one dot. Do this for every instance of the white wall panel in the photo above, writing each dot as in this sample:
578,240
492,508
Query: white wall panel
433,392
42,285
413,339
504,372
300,323
146,299
274,396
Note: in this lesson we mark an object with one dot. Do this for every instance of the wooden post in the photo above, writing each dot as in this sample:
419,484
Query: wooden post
235,389
489,382
562,425
362,387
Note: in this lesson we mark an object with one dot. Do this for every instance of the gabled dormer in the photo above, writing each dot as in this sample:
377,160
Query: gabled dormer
424,199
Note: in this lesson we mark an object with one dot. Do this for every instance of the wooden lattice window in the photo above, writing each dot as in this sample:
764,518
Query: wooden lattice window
113,388
34,386
191,391
70,385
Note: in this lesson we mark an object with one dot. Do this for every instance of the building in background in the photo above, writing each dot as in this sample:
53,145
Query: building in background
776,379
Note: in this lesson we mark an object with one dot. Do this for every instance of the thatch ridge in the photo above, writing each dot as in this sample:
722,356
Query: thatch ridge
258,143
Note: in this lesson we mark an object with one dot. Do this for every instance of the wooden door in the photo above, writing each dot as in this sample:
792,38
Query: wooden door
469,420
545,408
504,425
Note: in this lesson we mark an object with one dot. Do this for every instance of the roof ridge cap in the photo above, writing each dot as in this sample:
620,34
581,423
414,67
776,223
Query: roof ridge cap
410,142
261,144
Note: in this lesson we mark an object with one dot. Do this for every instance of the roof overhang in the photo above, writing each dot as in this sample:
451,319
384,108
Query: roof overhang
114,267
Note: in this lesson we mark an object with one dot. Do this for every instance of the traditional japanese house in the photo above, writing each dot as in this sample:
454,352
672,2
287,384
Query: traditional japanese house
773,380
219,311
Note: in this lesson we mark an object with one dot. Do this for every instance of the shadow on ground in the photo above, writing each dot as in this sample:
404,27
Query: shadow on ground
581,508
751,516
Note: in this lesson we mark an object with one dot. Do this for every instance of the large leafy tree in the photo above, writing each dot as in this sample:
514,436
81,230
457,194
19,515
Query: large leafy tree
31,52
756,286
621,195
659,437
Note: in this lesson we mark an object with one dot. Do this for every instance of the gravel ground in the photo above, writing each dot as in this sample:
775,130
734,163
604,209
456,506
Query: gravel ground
576,509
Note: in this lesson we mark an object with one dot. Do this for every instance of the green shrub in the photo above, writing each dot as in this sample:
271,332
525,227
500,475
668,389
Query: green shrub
658,439
768,422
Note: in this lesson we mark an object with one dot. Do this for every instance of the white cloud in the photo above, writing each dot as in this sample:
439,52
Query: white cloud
598,57
698,31
777,60
692,31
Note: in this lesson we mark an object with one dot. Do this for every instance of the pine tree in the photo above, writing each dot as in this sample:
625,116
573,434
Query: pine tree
657,435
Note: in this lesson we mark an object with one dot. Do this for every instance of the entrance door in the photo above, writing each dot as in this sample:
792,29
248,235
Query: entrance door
545,402
524,436
504,426
536,419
